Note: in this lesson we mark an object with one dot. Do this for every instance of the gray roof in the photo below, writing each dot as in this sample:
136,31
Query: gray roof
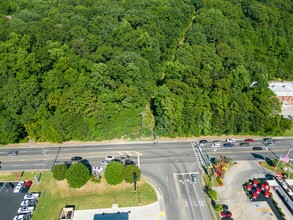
282,88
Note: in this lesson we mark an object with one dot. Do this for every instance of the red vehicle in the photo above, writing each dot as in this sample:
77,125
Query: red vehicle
249,140
26,186
28,183
226,214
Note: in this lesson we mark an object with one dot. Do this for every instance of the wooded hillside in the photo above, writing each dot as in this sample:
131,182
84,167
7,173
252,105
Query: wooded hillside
97,70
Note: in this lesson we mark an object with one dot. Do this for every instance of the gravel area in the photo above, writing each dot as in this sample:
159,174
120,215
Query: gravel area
233,195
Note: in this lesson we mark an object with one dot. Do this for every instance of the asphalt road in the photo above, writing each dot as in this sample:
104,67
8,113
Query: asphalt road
169,165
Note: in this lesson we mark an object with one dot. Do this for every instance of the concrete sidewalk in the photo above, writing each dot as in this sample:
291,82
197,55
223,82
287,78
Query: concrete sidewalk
148,212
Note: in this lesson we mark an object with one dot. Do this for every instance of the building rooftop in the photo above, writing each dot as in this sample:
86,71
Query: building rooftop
282,88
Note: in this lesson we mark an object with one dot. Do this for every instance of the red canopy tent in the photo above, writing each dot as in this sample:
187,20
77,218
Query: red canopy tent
249,187
255,183
267,194
254,195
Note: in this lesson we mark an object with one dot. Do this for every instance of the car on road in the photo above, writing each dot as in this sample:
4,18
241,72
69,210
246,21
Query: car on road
244,144
109,158
193,178
226,214
105,162
230,140
34,195
203,142
124,156
226,218
268,140
26,216
228,145
257,148
12,153
9,185
249,140
128,162
19,186
27,209
76,158
215,145
29,202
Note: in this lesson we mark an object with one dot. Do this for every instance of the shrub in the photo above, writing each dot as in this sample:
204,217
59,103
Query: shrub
218,207
129,173
77,175
96,179
213,194
114,173
59,171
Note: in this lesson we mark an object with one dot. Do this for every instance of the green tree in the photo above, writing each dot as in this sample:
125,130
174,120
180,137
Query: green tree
114,173
59,171
77,175
129,173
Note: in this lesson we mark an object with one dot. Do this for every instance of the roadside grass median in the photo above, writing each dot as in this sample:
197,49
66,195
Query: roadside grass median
57,194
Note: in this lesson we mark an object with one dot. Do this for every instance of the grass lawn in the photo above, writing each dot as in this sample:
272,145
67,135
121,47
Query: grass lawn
280,168
289,132
56,194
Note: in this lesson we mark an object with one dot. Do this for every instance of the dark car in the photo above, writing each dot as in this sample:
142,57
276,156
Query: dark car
193,178
225,207
9,185
257,148
77,158
249,140
228,145
226,214
226,218
203,141
244,144
12,153
267,140
116,160
128,162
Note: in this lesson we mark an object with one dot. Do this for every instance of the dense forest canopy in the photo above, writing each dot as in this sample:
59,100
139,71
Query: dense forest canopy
96,70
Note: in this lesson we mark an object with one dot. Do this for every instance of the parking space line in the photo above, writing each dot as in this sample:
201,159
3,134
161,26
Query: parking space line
2,187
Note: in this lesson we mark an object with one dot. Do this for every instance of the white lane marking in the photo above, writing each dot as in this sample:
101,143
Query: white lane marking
181,182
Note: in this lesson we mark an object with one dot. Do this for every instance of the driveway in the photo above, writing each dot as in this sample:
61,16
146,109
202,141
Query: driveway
232,193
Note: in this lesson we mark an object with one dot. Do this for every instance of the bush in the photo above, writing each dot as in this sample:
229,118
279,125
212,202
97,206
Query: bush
129,173
77,175
218,207
213,194
114,173
59,171
96,179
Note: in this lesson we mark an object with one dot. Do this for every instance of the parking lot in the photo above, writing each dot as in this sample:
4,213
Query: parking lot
9,202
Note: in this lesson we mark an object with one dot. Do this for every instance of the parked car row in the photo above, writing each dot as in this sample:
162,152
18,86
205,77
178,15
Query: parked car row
23,186
27,206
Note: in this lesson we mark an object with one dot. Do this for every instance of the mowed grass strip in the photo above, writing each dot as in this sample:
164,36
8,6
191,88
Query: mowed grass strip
56,194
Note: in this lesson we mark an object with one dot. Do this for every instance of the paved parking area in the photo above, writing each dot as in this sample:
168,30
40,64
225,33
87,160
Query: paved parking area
9,202
232,194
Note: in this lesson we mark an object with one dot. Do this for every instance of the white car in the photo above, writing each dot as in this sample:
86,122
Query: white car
215,145
230,140
98,169
19,186
23,217
109,158
35,195
28,202
105,162
24,210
